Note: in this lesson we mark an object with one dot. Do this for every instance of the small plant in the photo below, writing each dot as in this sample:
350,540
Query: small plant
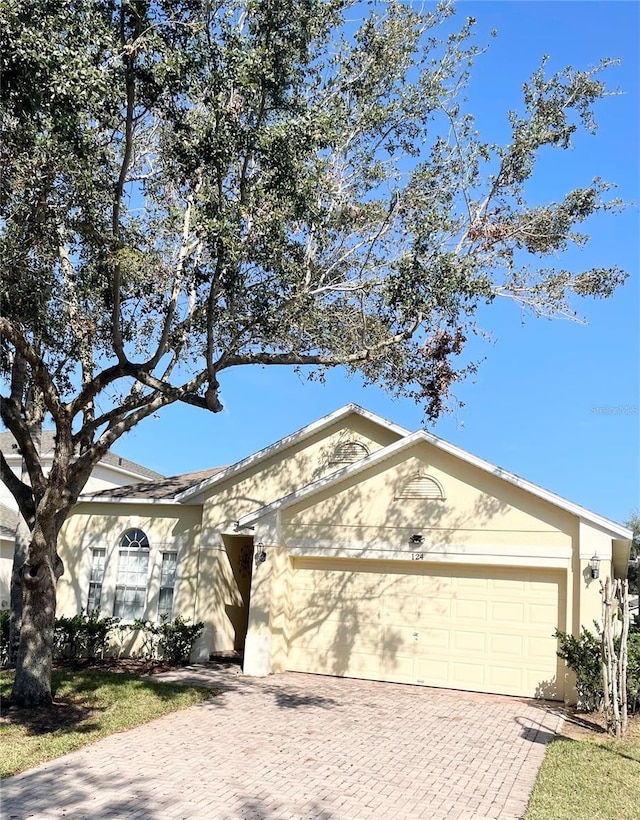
97,632
582,655
633,670
149,632
67,637
171,641
177,638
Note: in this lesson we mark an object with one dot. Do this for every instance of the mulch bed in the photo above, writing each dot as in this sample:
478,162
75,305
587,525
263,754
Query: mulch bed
593,726
133,666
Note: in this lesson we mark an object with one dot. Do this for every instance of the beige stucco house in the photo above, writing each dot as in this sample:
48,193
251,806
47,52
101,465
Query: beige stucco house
354,547
111,471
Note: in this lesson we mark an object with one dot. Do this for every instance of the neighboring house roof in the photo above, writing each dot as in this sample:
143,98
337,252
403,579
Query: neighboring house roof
9,447
612,527
8,522
164,490
288,441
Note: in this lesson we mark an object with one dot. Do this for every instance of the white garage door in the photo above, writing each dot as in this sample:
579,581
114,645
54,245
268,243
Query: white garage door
478,628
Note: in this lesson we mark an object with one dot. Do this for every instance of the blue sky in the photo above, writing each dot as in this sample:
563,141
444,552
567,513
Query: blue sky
554,401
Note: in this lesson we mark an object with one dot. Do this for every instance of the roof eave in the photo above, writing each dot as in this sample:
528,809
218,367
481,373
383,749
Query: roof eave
89,499
287,441
611,527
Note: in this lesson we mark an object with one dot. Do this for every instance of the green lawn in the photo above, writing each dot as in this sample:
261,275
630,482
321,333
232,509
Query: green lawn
89,704
591,779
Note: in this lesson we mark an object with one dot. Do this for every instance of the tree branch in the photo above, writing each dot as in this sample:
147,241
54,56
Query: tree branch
39,370
116,285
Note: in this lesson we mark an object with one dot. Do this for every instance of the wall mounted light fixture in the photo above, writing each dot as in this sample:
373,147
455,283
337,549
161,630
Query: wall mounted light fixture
416,539
594,563
261,555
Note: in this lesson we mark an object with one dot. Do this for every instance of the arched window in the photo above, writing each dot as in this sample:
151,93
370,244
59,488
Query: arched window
349,451
133,572
421,486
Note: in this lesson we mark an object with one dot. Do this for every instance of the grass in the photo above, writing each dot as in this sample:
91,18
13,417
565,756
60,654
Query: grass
88,704
595,778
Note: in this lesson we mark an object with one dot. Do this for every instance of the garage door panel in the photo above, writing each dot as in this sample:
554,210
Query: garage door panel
506,612
471,583
501,643
401,609
504,679
540,613
464,641
511,585
477,628
469,675
397,665
433,609
432,672
467,610
438,640
340,632
540,647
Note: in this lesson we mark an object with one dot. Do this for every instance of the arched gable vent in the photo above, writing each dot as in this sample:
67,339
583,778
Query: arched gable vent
348,452
423,487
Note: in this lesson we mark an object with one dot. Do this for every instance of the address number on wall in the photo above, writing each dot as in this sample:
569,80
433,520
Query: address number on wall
417,556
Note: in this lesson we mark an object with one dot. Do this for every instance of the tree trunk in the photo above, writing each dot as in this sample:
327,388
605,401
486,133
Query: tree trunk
32,685
20,554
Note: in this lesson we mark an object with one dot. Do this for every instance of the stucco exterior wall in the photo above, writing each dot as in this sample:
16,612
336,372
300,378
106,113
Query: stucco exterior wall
482,521
282,474
592,541
169,528
267,641
480,515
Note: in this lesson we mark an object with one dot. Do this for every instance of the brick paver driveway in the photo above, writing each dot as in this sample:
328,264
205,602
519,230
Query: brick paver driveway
303,746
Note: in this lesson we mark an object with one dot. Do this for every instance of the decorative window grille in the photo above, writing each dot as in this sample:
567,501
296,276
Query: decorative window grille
95,580
348,452
167,585
133,571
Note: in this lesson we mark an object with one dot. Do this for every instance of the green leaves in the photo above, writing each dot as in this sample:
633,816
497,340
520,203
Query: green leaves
274,181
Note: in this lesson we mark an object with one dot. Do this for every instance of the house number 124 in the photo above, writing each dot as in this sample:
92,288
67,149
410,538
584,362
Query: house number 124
417,556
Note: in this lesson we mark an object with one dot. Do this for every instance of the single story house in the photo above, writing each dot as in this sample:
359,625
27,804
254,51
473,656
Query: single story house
354,547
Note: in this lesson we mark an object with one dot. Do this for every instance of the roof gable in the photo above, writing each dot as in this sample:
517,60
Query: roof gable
408,442
280,447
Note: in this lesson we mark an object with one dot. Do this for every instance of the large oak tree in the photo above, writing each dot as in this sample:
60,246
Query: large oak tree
191,186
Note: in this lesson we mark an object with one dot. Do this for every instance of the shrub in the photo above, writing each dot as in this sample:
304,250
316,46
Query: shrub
582,655
149,634
85,635
171,641
633,670
177,638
